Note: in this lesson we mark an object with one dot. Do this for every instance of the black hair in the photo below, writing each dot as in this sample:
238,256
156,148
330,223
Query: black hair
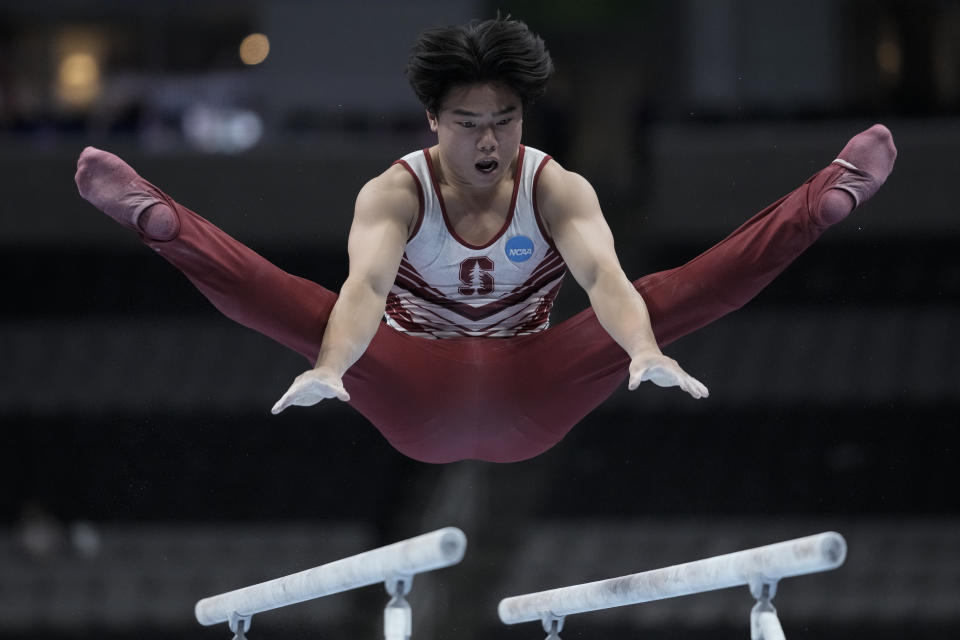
498,51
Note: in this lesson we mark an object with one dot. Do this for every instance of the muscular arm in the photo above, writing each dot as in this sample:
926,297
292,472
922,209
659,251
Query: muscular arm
379,233
385,210
572,214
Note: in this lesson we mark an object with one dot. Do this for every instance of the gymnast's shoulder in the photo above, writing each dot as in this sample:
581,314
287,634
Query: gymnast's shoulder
393,194
561,193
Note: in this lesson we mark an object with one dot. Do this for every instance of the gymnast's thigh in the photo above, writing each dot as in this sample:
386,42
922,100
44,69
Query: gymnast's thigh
572,368
245,286
447,400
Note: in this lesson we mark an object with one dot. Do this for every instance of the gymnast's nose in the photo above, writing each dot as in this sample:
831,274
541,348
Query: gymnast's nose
488,141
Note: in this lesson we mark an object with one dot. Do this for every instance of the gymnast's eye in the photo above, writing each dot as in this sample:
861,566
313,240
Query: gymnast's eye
466,124
504,122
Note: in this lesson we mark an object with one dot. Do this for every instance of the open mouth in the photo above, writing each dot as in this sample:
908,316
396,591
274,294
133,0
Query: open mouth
487,165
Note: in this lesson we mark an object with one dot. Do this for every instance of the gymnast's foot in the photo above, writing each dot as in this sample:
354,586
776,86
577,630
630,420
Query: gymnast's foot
868,159
111,185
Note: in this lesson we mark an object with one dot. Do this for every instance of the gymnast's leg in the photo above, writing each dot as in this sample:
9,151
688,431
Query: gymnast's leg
387,383
238,281
731,273
586,365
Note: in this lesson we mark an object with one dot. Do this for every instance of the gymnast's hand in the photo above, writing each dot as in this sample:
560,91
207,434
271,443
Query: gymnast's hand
663,372
309,388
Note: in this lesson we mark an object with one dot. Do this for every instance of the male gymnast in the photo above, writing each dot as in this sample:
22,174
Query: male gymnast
440,334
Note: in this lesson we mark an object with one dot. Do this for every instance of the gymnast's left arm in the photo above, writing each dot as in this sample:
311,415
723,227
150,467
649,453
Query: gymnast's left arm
572,215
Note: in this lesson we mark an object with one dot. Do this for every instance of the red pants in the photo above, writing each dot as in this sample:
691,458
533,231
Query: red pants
495,399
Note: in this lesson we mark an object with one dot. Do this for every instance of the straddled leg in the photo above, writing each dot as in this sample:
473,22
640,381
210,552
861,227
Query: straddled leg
734,271
582,365
399,382
238,281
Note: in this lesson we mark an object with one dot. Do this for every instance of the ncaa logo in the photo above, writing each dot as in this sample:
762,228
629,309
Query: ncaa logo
519,249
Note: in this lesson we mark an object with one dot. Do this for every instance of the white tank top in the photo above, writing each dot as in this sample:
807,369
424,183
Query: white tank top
447,287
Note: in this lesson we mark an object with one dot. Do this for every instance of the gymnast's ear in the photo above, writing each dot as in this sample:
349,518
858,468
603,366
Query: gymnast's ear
432,119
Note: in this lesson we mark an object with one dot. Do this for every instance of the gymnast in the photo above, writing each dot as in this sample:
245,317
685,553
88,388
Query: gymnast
440,335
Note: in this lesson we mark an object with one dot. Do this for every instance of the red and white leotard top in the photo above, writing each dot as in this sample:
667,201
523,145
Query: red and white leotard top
447,287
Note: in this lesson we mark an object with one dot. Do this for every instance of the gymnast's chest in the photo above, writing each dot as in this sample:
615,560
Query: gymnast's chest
441,258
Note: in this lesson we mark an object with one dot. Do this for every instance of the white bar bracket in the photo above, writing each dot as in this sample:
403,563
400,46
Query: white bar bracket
553,625
397,615
764,623
239,625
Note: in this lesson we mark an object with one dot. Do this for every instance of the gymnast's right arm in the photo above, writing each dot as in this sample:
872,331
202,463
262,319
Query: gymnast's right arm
384,216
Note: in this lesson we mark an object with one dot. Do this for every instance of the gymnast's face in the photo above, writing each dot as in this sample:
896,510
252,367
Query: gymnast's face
478,132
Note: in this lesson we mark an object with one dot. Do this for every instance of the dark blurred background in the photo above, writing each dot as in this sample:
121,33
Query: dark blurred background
142,471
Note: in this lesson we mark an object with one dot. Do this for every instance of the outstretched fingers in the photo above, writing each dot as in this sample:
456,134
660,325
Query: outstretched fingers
665,372
308,389
694,387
